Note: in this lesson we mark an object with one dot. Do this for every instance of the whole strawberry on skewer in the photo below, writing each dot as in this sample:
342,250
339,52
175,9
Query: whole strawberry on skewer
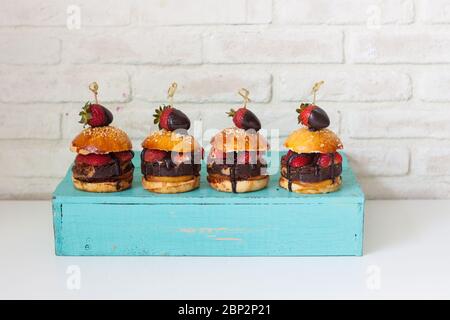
312,116
94,114
169,118
243,118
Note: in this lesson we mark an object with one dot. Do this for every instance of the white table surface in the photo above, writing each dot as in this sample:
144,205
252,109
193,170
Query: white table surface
407,255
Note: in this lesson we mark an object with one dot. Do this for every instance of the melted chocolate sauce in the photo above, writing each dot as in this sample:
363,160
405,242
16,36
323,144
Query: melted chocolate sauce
233,173
288,164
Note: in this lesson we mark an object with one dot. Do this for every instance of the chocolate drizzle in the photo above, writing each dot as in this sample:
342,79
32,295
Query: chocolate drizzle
233,173
288,164
117,162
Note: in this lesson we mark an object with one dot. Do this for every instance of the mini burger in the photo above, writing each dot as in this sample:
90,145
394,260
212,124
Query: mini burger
171,158
236,160
103,161
312,164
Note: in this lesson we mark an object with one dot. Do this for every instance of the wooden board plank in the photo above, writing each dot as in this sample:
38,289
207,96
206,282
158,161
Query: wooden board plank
199,230
271,222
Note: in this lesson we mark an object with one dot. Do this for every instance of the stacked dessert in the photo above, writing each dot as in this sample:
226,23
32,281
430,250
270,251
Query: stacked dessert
312,164
171,158
236,161
103,161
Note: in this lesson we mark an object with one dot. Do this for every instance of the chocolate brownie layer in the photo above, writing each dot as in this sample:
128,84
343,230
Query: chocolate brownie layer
312,173
166,168
242,171
106,173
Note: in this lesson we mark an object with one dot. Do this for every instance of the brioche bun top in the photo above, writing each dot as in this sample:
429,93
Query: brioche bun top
101,140
304,140
170,141
236,139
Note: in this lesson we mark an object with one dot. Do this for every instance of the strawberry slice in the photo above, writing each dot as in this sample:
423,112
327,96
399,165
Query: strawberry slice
337,158
300,161
154,155
324,160
93,159
124,156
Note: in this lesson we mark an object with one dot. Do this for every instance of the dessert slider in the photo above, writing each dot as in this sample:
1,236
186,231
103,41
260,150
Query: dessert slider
312,164
236,160
103,161
171,158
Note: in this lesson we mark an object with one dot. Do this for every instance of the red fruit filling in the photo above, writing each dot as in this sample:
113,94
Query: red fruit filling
152,155
300,161
124,156
94,159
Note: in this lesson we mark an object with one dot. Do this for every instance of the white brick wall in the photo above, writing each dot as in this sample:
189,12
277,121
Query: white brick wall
386,64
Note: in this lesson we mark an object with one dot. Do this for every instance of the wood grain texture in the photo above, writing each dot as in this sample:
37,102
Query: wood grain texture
270,222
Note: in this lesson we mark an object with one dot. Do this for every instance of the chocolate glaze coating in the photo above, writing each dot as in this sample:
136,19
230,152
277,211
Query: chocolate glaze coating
178,120
251,121
318,119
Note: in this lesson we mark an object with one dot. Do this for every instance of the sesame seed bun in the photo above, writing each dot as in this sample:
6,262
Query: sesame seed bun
101,140
171,187
109,186
304,140
325,186
236,139
223,183
170,141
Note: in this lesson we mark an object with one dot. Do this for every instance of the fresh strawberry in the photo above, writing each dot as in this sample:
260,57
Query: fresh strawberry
324,160
95,115
124,156
337,158
154,155
245,119
312,116
93,159
169,118
300,160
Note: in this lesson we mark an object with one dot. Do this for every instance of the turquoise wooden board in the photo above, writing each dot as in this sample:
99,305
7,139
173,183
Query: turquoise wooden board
204,222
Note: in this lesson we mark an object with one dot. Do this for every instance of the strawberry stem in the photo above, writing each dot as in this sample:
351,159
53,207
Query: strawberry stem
231,113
